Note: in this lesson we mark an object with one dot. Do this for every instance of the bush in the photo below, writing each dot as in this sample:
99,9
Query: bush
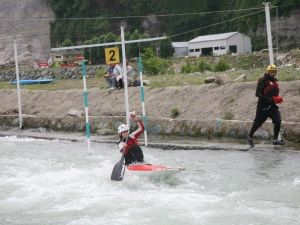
221,66
100,72
187,67
228,116
203,66
155,65
148,53
67,42
174,112
166,49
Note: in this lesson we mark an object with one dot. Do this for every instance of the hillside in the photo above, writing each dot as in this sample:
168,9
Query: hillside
31,23
18,21
180,20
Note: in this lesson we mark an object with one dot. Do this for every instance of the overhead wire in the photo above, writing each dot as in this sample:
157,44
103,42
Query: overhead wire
132,16
215,24
30,33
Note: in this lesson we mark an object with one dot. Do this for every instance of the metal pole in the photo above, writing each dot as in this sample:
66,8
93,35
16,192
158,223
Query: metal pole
269,33
86,109
18,86
277,32
108,44
125,76
270,45
140,67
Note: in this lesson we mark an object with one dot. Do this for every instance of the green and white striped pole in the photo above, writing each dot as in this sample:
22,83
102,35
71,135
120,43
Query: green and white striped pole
142,95
86,101
18,86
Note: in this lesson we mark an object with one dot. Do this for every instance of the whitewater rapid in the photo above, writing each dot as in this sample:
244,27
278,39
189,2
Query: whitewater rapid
56,182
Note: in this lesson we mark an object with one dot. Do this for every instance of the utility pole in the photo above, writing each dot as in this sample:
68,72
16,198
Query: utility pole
269,33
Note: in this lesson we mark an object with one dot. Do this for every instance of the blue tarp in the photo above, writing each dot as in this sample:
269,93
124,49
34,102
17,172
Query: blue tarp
42,81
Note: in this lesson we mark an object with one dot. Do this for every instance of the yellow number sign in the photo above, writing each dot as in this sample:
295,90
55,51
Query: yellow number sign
112,55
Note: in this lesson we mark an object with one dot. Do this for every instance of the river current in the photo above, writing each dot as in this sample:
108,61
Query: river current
56,182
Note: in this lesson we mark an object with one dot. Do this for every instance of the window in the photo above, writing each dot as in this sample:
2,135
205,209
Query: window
191,50
216,48
233,48
222,47
207,51
197,50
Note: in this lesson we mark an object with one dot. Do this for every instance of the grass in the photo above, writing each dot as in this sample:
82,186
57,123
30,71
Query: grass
160,81
252,66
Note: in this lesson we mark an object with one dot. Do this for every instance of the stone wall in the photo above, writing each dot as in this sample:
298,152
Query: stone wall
107,125
7,73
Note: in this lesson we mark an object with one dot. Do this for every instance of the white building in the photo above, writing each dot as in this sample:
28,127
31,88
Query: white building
220,44
180,49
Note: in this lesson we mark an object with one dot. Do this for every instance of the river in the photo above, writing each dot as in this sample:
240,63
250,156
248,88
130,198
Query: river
56,182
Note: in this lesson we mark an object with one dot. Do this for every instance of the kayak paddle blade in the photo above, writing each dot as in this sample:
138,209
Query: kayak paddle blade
118,170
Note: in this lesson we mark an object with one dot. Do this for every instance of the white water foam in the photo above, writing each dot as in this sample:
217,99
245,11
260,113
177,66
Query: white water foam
57,182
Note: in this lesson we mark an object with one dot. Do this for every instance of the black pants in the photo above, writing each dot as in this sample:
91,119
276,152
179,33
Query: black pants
120,84
262,115
135,154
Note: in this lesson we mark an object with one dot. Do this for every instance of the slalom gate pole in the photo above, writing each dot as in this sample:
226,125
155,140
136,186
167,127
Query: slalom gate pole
125,76
142,95
86,109
18,86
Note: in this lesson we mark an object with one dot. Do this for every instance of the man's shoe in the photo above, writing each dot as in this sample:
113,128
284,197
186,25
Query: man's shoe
250,141
111,88
278,142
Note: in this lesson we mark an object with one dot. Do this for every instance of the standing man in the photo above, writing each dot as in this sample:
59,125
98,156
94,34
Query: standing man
267,91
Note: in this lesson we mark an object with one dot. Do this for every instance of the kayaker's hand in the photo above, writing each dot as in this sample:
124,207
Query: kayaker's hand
133,116
277,99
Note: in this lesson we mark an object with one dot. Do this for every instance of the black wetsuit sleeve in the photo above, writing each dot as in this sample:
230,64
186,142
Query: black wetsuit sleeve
260,91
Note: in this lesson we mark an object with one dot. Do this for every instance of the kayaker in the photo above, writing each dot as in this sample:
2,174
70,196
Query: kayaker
128,143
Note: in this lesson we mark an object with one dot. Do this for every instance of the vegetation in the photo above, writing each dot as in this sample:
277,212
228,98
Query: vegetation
228,116
174,113
104,17
160,81
222,65
182,71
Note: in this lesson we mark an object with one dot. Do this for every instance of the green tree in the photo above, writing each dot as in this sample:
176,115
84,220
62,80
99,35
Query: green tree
183,27
166,48
67,42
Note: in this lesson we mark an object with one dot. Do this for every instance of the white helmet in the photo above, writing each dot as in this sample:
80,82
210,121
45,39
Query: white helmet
122,128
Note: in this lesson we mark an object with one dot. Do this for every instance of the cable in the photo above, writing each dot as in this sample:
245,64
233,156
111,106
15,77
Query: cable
128,17
211,25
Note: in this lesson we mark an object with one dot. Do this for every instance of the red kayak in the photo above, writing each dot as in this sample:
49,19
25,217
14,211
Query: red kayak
148,168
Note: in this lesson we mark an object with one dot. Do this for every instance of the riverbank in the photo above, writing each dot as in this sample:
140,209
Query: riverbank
165,143
208,111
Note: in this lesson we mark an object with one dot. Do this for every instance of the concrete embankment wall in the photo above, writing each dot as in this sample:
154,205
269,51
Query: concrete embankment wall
107,125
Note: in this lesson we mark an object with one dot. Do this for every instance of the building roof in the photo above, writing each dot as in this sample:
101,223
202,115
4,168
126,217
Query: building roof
212,37
180,44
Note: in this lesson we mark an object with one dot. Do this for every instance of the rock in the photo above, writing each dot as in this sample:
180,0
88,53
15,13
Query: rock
222,79
16,13
75,112
241,77
209,80
146,82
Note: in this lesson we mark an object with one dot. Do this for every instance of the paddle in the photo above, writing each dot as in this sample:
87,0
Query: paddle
118,170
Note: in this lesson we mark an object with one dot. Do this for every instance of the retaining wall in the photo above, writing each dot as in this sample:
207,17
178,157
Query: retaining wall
107,125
